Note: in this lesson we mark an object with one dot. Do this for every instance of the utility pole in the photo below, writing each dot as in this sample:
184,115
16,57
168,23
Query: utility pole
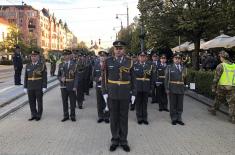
127,13
142,35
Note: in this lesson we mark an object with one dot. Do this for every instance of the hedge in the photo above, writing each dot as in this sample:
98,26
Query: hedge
203,81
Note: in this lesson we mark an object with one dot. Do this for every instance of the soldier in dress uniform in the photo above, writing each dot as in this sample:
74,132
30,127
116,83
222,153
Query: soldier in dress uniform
135,61
67,75
18,65
160,79
155,61
35,83
175,87
87,74
118,86
97,76
224,85
80,86
144,80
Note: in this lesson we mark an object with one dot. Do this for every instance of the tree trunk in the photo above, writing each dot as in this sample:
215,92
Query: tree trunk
195,54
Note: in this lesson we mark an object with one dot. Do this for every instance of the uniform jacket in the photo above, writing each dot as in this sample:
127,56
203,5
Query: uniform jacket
174,75
160,73
17,60
35,76
70,74
97,73
116,71
143,71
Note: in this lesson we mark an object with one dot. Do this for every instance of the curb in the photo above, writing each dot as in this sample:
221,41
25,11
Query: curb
207,101
10,108
20,95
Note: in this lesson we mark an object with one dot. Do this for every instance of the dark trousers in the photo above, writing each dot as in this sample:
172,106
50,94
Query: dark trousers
17,76
80,93
35,96
155,95
163,101
101,104
119,121
141,106
71,95
176,106
53,68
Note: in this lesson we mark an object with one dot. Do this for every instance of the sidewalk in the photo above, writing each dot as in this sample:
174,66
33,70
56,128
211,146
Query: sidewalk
203,134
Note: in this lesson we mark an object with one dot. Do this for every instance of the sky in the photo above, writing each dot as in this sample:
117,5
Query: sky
88,19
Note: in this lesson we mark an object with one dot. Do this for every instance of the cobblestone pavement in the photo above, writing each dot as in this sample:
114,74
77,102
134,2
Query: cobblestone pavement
203,134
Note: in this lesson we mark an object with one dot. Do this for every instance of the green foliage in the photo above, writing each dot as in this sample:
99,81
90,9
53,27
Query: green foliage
203,80
131,36
191,19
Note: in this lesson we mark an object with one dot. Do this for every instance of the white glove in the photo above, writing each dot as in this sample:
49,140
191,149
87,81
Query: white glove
105,96
25,90
132,99
43,90
106,109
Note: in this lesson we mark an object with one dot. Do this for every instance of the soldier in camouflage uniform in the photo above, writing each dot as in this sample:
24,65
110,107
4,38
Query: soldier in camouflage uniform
224,85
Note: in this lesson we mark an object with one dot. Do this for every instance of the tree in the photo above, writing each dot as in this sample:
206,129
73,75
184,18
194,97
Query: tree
191,19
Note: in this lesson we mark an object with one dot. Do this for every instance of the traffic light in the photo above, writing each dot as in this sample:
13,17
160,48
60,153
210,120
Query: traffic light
99,41
91,42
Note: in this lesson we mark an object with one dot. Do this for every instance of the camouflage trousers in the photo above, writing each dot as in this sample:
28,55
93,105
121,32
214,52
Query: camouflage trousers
223,95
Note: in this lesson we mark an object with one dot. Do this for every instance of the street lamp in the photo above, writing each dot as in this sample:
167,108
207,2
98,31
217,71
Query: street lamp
125,14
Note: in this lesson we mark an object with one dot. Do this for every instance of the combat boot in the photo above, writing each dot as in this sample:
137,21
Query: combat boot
212,111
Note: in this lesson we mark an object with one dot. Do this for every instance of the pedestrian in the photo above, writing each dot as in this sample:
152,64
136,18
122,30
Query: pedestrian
224,85
118,87
175,78
159,83
35,83
103,115
67,75
144,80
18,65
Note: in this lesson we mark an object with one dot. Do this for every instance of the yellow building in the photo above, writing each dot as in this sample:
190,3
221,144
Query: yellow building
4,25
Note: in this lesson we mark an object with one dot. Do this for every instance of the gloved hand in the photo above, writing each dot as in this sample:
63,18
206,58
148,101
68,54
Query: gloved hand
132,99
106,108
43,90
25,90
105,96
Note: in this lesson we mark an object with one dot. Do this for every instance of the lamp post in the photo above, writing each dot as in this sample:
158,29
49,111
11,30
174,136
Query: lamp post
125,14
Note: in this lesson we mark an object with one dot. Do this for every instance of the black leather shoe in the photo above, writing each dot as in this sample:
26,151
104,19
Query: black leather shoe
73,119
106,120
64,119
126,148
38,118
139,122
113,147
80,107
146,122
132,109
160,110
173,122
166,110
32,118
100,120
180,123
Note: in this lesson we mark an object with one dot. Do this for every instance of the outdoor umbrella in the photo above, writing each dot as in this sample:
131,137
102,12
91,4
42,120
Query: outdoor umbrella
181,48
218,42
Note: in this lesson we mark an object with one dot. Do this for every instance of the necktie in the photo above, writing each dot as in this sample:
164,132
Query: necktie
178,67
119,60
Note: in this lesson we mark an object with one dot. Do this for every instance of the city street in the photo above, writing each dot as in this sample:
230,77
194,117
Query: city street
203,133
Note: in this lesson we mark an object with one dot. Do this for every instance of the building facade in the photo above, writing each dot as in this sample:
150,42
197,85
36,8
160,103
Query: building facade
39,28
4,25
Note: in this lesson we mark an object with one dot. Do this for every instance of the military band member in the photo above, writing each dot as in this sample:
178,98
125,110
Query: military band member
80,86
144,77
224,85
155,61
160,79
67,75
134,58
118,86
35,83
97,76
174,84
